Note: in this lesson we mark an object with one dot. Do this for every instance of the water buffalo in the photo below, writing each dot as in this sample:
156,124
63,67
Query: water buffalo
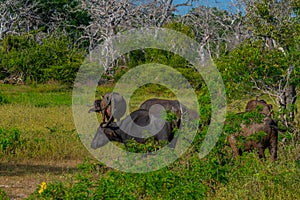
173,106
266,108
148,125
112,106
257,136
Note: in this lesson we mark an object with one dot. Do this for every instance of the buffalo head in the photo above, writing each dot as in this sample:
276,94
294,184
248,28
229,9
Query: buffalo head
104,135
267,109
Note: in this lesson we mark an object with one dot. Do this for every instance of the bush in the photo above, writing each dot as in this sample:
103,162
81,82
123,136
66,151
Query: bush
3,195
51,191
162,184
10,140
52,59
3,99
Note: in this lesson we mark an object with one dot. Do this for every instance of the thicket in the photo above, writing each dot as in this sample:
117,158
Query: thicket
52,59
3,195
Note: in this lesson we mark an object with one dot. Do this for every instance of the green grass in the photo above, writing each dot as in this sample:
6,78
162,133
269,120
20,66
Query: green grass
3,195
251,178
40,95
43,115
46,132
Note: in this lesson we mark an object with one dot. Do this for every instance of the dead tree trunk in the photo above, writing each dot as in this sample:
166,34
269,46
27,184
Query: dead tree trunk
287,102
291,97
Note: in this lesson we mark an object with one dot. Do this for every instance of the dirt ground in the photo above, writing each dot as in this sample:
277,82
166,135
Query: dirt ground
21,179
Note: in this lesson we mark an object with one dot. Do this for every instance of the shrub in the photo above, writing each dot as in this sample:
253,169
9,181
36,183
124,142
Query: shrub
10,140
3,195
3,99
52,59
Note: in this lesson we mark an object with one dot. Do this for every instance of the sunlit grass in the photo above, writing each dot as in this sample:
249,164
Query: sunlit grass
40,95
252,178
46,132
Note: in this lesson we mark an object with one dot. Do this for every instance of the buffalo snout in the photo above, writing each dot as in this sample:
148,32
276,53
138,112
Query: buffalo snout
100,139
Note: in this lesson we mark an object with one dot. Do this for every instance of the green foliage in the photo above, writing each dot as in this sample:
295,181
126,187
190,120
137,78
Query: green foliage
10,140
243,118
3,99
205,108
145,56
3,195
43,95
162,184
182,28
71,16
89,166
233,125
258,136
53,191
150,146
250,178
53,59
266,20
217,176
169,116
251,63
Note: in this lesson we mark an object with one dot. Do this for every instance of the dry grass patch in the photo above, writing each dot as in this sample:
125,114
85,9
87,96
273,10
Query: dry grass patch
46,132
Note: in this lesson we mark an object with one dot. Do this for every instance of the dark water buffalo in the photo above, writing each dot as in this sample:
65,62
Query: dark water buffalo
112,106
148,125
266,108
173,106
257,136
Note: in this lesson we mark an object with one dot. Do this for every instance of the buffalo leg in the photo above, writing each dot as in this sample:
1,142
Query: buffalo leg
232,142
111,119
273,148
103,116
107,115
261,151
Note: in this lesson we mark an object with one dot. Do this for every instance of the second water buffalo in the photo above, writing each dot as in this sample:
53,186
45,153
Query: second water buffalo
173,106
138,126
258,136
266,108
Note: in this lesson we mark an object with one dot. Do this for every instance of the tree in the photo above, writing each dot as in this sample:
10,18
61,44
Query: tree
17,16
218,31
42,18
276,24
111,17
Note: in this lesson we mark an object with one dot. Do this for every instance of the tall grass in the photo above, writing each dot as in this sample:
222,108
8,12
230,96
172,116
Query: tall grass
251,178
42,114
46,132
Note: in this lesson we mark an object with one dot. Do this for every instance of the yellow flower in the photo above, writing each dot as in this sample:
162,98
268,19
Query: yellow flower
43,187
